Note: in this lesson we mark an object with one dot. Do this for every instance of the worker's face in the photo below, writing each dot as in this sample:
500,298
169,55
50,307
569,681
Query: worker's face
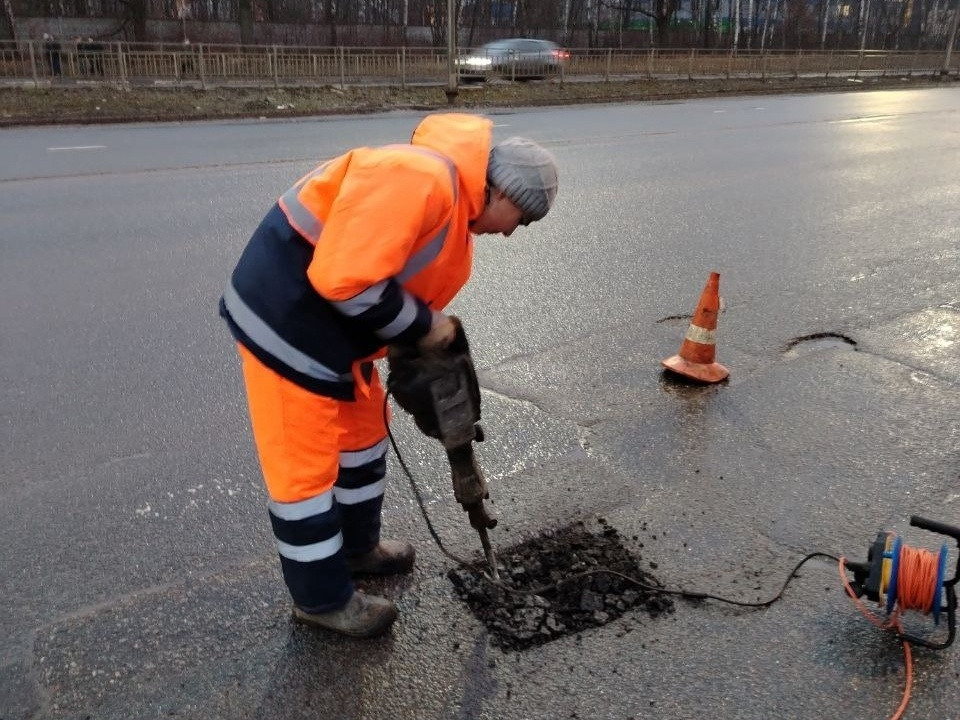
499,216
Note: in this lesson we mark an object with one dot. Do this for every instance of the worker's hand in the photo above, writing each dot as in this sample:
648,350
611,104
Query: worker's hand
442,332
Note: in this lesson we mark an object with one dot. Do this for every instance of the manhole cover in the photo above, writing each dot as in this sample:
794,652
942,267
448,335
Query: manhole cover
532,615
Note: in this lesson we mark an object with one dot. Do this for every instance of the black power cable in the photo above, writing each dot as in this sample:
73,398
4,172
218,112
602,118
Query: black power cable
688,594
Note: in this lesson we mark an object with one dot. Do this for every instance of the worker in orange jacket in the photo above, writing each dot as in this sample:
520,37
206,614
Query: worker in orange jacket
363,252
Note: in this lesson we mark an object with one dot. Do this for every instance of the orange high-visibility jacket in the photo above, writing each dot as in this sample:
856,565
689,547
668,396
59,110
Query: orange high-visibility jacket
357,254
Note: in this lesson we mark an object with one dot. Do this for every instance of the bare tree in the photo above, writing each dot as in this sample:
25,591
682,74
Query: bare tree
135,13
767,23
662,12
8,27
751,24
918,12
330,12
245,17
476,11
435,12
798,23
824,22
711,10
735,11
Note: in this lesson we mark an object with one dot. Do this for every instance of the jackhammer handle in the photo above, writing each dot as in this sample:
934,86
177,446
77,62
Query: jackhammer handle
937,527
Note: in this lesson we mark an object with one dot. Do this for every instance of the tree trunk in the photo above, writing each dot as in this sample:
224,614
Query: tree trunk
951,39
8,28
330,13
736,24
707,23
245,17
663,31
824,24
136,12
917,21
474,19
766,23
664,10
438,22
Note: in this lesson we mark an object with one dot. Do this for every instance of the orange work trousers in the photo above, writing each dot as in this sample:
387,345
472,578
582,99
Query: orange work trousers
323,462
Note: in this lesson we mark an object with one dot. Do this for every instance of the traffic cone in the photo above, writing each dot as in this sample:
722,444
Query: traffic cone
696,357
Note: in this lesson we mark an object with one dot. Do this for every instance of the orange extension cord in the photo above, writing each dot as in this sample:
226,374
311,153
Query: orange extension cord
916,586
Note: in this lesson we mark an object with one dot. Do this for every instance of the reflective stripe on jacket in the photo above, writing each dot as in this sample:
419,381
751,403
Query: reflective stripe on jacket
358,253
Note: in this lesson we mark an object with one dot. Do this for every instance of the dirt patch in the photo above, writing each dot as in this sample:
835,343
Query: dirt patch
70,104
557,584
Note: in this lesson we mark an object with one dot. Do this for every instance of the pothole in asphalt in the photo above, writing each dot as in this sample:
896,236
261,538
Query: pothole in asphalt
818,341
556,590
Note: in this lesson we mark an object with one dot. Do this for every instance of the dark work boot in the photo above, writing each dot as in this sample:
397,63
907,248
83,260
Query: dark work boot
389,557
362,616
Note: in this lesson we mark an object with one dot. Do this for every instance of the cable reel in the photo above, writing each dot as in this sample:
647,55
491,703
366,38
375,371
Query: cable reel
898,576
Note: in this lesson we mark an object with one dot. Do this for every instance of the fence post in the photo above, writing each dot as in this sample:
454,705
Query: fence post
606,70
796,68
343,70
201,65
650,63
690,64
856,74
729,61
829,65
274,65
33,65
763,66
403,67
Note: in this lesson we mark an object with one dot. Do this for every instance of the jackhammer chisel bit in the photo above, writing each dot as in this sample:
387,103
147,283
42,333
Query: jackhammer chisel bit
470,490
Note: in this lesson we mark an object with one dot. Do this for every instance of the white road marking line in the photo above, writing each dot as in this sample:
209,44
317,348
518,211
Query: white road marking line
864,119
78,147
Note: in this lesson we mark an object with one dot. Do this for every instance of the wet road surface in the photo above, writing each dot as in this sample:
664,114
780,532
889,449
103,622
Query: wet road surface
137,568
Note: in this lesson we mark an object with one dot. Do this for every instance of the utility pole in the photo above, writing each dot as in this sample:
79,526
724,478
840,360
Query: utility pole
951,39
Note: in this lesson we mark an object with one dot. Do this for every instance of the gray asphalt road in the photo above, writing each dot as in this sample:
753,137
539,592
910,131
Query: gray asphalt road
136,563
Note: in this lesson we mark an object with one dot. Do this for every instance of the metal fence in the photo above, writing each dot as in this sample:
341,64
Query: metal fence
198,65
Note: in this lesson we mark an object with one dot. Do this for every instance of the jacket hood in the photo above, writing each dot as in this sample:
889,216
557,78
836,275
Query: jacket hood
465,139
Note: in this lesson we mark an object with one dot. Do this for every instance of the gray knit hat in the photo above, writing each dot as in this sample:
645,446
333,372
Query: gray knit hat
526,173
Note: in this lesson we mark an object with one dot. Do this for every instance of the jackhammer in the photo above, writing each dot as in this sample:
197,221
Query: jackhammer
439,389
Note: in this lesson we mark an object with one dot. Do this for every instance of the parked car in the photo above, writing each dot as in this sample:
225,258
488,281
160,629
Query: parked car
513,58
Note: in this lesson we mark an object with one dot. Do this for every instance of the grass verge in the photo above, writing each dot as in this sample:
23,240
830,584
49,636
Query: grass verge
105,104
